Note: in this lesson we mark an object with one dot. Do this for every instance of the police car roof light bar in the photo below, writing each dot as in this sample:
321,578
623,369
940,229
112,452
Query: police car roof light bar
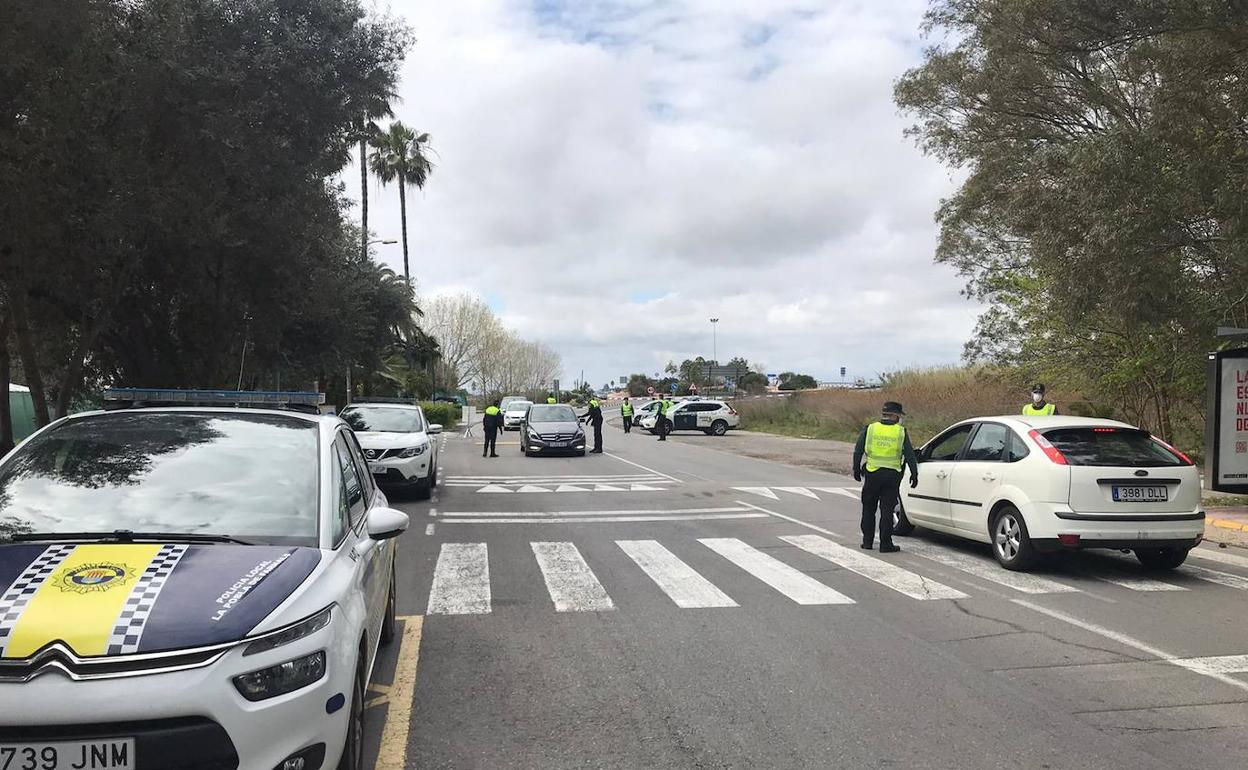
122,398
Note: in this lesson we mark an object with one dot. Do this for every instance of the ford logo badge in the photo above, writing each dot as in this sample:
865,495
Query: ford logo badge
1141,472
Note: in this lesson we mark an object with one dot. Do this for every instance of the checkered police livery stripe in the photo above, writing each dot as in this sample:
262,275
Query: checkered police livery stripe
14,600
138,607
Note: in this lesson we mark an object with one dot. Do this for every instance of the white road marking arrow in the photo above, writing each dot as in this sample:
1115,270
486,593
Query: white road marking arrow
839,491
799,491
645,488
761,491
572,488
532,488
493,488
608,488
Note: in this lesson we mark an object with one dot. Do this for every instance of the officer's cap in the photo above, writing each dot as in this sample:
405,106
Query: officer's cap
892,407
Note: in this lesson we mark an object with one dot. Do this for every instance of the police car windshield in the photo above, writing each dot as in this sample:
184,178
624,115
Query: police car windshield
518,406
249,476
383,419
552,413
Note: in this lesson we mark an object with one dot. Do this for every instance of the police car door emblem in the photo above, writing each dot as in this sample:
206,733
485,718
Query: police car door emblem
89,578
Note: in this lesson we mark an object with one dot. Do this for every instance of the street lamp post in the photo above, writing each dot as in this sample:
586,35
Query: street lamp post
714,341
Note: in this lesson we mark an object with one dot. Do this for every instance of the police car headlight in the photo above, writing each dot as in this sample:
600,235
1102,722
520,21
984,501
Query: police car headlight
283,678
415,451
292,633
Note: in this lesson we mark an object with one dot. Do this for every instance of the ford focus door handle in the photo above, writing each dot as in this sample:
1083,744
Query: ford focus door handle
941,474
990,477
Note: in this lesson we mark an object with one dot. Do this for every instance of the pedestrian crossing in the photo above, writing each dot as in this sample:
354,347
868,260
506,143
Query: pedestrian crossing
461,580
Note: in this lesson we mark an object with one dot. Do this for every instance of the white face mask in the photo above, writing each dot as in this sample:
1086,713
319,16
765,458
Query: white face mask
1037,398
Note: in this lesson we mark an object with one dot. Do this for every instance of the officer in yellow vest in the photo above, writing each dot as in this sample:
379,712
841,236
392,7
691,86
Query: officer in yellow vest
492,423
887,448
551,399
594,418
626,414
660,421
1038,406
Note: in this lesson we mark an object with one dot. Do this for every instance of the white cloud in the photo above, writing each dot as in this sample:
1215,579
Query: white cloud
611,175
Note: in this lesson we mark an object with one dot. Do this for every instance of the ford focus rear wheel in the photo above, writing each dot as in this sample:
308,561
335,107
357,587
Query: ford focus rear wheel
1010,542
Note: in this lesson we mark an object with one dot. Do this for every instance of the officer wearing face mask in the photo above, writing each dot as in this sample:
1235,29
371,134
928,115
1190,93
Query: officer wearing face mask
885,445
1038,406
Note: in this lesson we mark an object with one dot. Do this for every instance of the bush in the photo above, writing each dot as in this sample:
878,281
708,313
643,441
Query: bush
446,415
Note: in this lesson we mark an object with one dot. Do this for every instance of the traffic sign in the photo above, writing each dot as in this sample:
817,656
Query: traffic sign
675,387
650,390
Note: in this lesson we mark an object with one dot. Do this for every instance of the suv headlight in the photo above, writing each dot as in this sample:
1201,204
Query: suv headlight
292,633
283,678
415,451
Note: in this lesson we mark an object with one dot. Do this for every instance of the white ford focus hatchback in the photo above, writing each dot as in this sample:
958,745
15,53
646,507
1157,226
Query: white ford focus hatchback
1031,485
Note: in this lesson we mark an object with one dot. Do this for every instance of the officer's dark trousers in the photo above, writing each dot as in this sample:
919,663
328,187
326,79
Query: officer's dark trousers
879,490
597,436
662,424
491,437
628,424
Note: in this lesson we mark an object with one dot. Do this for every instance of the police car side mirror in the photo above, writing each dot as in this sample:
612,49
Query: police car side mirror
385,523
434,429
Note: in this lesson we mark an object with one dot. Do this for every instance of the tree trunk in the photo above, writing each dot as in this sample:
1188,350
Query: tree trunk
363,201
6,413
26,352
403,217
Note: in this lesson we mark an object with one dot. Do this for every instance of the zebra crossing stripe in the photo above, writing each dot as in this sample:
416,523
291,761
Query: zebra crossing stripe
1215,576
796,585
886,574
461,580
678,580
1214,554
1132,583
572,585
987,569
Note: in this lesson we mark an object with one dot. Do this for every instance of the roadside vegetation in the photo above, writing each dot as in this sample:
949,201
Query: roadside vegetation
1102,216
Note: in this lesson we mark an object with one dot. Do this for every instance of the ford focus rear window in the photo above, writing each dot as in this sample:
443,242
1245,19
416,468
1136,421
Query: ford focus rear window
1118,447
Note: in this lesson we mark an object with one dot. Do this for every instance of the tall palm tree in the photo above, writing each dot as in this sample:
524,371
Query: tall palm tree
374,107
401,154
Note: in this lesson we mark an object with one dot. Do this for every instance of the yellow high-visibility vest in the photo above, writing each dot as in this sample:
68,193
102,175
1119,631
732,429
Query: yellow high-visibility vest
552,400
491,410
626,410
1048,410
885,446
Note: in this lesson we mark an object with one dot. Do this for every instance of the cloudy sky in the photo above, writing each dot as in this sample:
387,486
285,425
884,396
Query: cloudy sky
610,175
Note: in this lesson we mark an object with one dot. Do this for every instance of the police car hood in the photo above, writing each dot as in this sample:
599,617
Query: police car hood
115,599
378,440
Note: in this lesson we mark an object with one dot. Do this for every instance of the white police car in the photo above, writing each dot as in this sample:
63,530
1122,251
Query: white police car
398,443
714,418
200,586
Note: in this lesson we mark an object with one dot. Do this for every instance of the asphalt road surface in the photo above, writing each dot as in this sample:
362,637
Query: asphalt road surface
669,605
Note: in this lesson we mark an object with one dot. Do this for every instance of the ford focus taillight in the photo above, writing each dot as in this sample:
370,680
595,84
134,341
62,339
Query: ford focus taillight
1050,451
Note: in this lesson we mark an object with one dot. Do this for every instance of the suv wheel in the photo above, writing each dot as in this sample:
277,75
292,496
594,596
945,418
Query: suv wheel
1010,542
719,427
1161,558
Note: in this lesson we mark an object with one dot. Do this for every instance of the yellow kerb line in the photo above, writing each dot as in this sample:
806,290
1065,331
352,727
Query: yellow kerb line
393,752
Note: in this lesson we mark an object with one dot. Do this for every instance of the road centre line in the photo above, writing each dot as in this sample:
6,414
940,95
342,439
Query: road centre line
392,754
1190,664
644,468
600,519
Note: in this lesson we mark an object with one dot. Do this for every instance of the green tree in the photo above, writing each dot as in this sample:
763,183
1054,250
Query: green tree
753,383
797,381
1102,214
401,155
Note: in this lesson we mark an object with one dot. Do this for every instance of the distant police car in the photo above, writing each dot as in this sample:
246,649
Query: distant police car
196,586
707,415
398,443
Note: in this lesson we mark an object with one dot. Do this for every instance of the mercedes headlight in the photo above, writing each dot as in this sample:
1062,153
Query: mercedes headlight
283,678
415,451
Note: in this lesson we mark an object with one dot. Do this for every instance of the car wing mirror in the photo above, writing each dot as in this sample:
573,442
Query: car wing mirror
385,523
434,429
